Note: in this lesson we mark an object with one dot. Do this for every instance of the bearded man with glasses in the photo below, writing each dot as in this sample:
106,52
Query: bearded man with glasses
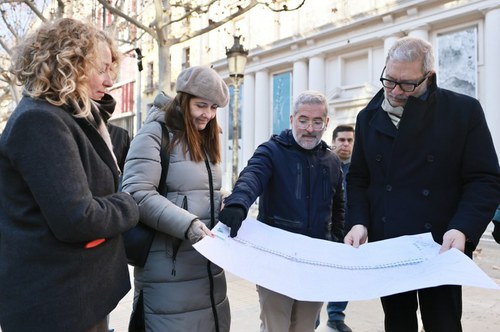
298,180
423,161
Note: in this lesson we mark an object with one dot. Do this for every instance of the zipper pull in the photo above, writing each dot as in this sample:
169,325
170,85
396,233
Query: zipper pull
173,267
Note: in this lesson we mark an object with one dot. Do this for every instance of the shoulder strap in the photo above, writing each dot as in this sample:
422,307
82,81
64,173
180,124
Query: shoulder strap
165,159
211,187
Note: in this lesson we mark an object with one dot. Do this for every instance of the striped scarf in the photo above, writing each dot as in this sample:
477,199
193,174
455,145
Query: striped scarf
394,113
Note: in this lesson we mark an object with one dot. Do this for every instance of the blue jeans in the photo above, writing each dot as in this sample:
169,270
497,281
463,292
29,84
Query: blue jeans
336,310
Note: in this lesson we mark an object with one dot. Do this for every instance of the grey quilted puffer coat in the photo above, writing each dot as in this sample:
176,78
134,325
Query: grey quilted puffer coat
181,289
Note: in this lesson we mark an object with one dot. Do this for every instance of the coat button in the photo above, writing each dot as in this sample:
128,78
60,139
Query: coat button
388,187
428,226
383,219
378,157
430,158
425,192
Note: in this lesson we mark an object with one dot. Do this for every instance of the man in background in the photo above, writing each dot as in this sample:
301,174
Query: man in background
342,143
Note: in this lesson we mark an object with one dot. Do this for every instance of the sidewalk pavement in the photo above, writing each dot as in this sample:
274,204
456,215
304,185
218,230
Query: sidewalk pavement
481,307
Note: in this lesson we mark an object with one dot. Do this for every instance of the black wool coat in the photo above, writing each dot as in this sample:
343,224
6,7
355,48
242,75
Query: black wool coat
58,185
438,171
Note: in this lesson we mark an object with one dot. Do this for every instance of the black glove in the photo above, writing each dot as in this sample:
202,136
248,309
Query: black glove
496,231
232,216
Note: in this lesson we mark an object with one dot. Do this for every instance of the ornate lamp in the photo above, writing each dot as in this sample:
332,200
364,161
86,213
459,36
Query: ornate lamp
236,61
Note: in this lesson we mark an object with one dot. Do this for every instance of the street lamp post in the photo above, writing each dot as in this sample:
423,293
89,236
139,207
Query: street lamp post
236,60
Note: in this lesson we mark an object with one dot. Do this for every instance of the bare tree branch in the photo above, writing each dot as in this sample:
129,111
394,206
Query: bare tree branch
215,25
128,18
5,46
160,15
160,22
283,8
35,10
8,25
4,76
61,6
201,9
169,16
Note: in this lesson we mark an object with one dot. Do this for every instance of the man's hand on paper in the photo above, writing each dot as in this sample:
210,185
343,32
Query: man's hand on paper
453,239
356,236
232,216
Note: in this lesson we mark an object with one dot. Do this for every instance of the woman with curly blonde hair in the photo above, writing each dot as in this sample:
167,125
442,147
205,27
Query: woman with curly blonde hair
62,262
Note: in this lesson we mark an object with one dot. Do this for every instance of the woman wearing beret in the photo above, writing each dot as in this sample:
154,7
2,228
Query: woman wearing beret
62,262
178,289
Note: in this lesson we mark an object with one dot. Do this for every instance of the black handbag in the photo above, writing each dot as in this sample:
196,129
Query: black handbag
137,321
138,239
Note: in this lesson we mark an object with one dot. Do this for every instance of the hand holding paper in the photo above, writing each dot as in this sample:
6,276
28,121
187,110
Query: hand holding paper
317,270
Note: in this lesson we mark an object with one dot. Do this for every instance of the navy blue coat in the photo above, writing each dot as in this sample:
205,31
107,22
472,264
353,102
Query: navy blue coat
300,190
438,172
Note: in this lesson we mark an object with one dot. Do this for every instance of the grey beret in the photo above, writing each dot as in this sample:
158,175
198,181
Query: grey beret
203,82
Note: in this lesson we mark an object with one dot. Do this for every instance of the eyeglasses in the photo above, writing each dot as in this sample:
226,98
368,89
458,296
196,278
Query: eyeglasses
405,86
317,124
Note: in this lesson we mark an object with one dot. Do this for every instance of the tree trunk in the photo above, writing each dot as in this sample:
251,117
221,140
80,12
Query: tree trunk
164,74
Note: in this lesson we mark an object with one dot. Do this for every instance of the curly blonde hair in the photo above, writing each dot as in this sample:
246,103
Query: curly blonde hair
54,62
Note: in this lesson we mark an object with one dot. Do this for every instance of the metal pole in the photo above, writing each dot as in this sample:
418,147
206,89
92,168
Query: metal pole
138,77
138,94
235,130
138,103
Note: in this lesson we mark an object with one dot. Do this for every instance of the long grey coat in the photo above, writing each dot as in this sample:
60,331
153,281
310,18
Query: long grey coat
177,281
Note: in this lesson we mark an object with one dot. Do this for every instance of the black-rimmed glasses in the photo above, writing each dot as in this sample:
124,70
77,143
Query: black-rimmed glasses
405,86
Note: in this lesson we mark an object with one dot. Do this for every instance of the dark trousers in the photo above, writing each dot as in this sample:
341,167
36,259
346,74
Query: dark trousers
440,308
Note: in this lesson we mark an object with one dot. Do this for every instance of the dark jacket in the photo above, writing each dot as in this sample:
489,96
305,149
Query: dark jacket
438,172
57,193
121,143
300,190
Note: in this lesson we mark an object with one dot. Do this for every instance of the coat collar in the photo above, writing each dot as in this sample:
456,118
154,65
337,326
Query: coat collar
380,121
413,116
99,145
106,106
286,138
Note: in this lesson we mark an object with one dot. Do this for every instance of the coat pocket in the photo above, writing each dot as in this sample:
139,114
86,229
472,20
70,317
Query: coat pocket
173,244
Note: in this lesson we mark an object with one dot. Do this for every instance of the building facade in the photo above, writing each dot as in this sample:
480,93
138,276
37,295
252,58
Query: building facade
339,48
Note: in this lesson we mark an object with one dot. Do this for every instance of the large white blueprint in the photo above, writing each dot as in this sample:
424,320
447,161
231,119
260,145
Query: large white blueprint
316,270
